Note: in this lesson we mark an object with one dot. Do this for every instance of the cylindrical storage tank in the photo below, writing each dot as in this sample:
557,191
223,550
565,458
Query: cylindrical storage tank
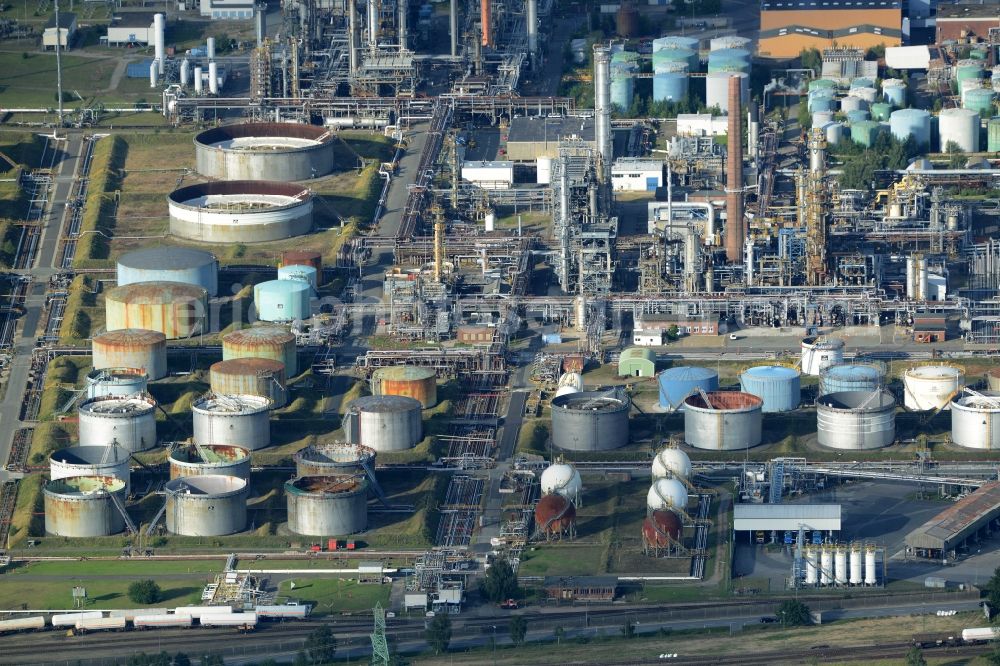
857,116
327,505
627,20
185,73
81,506
210,505
671,462
779,387
199,80
407,380
106,461
840,575
333,459
732,421
728,64
305,274
894,92
834,133
213,78
667,57
729,54
871,573
826,566
961,127
968,70
271,342
240,211
993,135
993,379
385,422
128,422
679,382
282,300
670,87
170,264
210,48
241,420
544,170
717,89
852,104
210,460
667,494
821,104
881,111
865,132
851,377
675,42
862,82
175,309
116,381
869,95
931,386
265,151
590,421
312,258
131,348
817,353
250,376
857,573
622,87
979,100
817,84
821,118
812,566
731,42
911,122
856,420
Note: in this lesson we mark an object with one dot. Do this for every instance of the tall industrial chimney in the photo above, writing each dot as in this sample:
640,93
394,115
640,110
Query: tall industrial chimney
485,18
159,41
753,130
352,36
734,176
453,27
602,104
532,20
403,9
373,24
261,23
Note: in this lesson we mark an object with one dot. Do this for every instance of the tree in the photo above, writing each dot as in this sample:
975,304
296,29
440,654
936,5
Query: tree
438,633
915,657
794,613
181,659
628,629
212,660
518,629
992,589
501,581
144,592
811,59
321,645
559,633
804,117
673,332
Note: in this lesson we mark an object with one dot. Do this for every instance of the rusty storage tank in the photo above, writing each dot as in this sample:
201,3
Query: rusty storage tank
128,421
627,20
211,505
242,420
555,516
210,460
116,381
240,211
312,258
170,264
327,505
407,380
384,422
131,348
175,309
108,461
250,376
661,529
272,342
590,420
333,459
82,506
261,151
731,421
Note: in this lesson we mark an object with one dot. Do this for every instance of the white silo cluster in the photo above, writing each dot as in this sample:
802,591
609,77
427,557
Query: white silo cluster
841,565
188,71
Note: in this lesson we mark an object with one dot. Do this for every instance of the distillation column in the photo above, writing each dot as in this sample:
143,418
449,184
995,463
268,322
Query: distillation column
352,36
453,27
602,108
403,8
532,23
735,231
814,192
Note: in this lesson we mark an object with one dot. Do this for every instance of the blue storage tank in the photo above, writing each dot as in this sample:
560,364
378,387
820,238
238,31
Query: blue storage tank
621,90
673,55
282,300
851,377
675,42
670,86
821,103
729,54
298,272
779,387
857,116
678,383
911,122
895,93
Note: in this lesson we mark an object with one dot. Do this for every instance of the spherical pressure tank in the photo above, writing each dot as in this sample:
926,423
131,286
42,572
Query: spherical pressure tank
670,86
81,506
779,387
250,376
128,422
894,92
851,377
170,264
911,122
554,514
931,386
242,420
210,505
590,421
271,342
240,211
175,309
333,459
282,300
662,528
851,103
667,494
881,111
264,151
562,479
979,100
305,274
865,132
385,422
312,258
717,89
731,421
210,460
407,380
131,348
679,382
116,381
856,420
671,462
961,127
817,353
327,505
107,461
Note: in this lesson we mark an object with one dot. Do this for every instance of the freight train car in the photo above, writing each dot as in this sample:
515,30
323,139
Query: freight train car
164,621
35,623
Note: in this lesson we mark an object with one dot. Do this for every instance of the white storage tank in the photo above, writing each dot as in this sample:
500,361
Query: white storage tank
931,386
671,462
116,381
857,558
840,575
812,565
975,421
911,122
731,421
817,353
826,566
170,264
961,127
562,479
717,89
126,421
543,170
384,422
871,572
240,420
667,494
108,461
856,420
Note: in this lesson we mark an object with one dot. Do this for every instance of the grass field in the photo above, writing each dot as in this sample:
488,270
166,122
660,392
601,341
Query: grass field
334,595
102,593
30,81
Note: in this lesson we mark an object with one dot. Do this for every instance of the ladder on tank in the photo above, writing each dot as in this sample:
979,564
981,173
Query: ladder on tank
121,509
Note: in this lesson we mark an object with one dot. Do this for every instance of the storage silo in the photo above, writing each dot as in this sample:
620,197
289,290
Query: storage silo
778,386
666,494
911,122
821,118
931,386
327,505
856,420
128,422
717,89
816,84
993,135
622,88
210,505
857,116
679,382
555,516
665,59
961,127
851,377
881,111
968,70
869,95
731,42
306,274
282,300
834,133
334,459
670,86
840,574
250,376
242,420
821,104
674,42
407,380
819,352
865,132
81,506
170,264
857,560
979,100
826,565
131,348
851,103
590,421
175,309
210,460
730,421
862,82
116,381
106,461
671,462
975,421
271,342
894,92
384,422
312,258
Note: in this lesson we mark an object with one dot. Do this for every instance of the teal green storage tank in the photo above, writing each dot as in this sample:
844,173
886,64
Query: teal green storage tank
979,100
881,111
993,135
968,70
817,84
856,116
282,300
865,132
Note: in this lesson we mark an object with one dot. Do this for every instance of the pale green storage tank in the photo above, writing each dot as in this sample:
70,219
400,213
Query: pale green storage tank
967,70
679,54
816,84
979,100
993,135
865,132
881,111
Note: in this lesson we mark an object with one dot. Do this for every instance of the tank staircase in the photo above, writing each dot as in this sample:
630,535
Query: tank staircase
170,419
156,518
366,465
129,524
74,396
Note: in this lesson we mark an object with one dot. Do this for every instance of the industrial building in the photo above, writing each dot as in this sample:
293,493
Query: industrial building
788,27
131,29
637,362
768,518
532,137
633,175
65,33
945,534
960,21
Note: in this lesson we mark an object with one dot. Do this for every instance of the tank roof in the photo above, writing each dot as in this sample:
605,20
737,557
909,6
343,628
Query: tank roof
226,133
852,400
853,371
131,337
236,188
984,401
85,485
207,485
209,454
823,342
247,366
386,403
116,404
935,372
284,286
336,454
773,372
410,372
325,485
89,455
259,335
590,401
167,257
724,400
152,293
687,373
231,404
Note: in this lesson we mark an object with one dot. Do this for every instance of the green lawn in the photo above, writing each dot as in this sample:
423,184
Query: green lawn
147,568
101,592
31,81
334,595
